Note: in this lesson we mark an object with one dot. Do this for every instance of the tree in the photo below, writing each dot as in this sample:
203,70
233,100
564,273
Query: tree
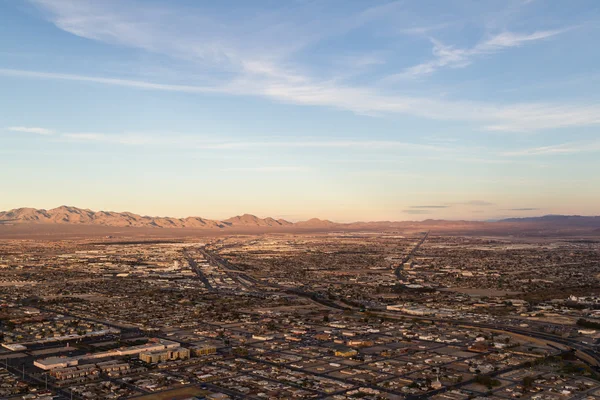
487,381
528,382
588,324
8,325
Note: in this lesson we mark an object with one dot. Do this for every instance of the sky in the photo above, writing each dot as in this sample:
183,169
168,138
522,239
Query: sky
340,109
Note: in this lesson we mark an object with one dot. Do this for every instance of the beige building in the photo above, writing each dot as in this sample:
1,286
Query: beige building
152,357
345,352
204,350
75,372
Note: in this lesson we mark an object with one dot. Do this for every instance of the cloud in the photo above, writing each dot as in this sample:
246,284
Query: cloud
453,57
25,129
424,30
412,207
416,212
519,117
479,203
563,148
268,169
94,137
205,142
522,209
107,81
263,57
444,56
511,39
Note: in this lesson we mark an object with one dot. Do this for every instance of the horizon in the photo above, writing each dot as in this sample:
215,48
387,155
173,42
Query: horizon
303,220
346,111
385,199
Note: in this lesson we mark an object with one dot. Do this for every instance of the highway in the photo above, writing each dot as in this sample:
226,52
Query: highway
399,268
197,270
231,270
582,351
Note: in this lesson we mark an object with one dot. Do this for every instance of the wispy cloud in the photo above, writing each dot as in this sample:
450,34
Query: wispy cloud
426,207
416,212
206,142
271,168
456,57
478,203
261,58
558,149
26,129
387,174
424,29
520,117
107,81
522,209
443,151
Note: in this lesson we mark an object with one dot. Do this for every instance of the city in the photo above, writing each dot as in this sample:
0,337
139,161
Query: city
331,315
299,199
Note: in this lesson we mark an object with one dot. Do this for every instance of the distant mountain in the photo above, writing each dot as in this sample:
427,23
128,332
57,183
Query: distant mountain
252,220
558,220
316,223
74,215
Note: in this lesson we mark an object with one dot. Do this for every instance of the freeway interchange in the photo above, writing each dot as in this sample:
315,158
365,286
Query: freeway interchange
585,352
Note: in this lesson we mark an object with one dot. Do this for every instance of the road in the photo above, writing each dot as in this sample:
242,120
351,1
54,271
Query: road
584,352
197,270
231,270
400,267
30,377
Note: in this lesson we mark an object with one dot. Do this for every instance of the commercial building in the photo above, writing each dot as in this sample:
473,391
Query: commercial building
263,337
63,362
152,357
204,350
75,372
345,352
412,310
14,346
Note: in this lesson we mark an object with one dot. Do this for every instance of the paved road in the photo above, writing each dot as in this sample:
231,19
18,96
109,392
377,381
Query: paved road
34,380
585,352
400,267
194,266
594,356
231,270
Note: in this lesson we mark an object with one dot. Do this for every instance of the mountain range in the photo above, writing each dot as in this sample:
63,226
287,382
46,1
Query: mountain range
66,215
74,215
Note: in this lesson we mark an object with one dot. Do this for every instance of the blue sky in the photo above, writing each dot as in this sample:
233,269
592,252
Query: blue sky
348,110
